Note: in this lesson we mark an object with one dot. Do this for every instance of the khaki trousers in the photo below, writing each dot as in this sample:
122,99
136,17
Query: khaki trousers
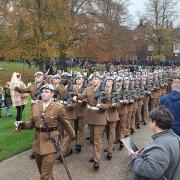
110,133
138,114
45,165
121,127
80,132
66,144
129,117
145,111
133,119
97,134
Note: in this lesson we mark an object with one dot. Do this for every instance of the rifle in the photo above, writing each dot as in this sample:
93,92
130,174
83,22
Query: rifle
69,94
123,93
141,87
130,92
113,94
57,146
136,89
155,83
100,95
148,86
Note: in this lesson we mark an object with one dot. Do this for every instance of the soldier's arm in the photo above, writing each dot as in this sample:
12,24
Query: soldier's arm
64,123
82,95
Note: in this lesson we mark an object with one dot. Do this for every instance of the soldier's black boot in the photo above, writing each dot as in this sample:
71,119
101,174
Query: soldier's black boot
32,156
91,160
78,148
59,158
144,123
132,130
121,145
68,153
138,126
96,165
109,156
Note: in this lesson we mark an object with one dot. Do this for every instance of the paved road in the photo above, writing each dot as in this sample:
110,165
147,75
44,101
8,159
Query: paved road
20,167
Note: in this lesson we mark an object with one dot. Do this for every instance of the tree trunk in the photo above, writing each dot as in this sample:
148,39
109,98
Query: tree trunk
62,62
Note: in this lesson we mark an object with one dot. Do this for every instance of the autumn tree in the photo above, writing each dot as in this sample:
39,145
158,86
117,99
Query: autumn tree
158,32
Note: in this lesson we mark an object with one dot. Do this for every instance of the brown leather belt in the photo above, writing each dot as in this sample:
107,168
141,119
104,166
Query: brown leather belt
46,129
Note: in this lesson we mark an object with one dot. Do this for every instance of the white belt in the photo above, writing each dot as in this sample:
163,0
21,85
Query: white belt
34,101
79,101
92,107
63,102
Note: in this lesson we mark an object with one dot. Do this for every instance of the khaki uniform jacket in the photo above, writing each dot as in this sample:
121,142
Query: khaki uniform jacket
112,114
122,107
155,93
54,116
94,117
70,113
80,108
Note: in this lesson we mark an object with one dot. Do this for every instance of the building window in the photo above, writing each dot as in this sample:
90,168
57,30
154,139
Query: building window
176,48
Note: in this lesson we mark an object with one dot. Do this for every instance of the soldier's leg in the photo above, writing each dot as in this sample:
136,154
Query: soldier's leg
122,126
47,166
117,131
133,125
145,111
80,133
111,137
128,122
38,159
138,116
98,132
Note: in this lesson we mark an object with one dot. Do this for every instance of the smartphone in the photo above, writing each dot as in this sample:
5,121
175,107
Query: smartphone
129,144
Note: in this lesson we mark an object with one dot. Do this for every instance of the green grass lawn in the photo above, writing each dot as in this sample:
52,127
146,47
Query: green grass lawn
9,67
14,143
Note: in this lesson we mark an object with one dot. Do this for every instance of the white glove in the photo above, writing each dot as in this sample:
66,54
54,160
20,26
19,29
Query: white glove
74,98
18,123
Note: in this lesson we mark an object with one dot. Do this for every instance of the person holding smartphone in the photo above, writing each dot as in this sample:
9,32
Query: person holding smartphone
159,160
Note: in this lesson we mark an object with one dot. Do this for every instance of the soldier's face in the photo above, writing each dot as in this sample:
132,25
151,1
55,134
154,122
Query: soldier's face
126,83
109,83
56,81
47,95
95,81
39,78
79,81
118,84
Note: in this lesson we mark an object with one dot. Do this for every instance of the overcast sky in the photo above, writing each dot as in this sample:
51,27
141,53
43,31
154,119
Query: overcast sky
138,6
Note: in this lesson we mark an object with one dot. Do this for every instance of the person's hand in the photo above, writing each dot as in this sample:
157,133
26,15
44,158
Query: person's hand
74,98
126,101
18,124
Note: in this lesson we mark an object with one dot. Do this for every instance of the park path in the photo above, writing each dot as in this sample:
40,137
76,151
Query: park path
20,167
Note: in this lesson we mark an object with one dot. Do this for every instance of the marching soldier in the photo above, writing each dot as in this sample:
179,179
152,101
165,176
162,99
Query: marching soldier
147,92
65,93
112,115
80,109
34,90
45,117
95,115
122,111
154,97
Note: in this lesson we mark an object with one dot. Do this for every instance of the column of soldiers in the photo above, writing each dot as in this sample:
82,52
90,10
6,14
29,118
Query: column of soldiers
113,106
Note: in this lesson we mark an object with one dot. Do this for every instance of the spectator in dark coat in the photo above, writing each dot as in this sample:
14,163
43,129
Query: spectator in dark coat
172,102
7,99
